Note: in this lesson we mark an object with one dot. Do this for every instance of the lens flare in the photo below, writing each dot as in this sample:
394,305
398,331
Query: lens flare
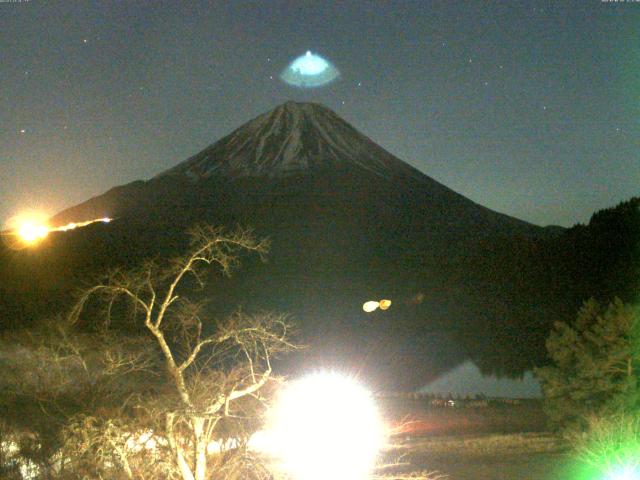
373,305
325,426
385,304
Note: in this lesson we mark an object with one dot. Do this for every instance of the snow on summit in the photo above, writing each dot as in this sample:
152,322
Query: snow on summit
290,139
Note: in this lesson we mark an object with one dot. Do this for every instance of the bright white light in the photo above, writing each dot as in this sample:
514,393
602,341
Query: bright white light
326,426
309,70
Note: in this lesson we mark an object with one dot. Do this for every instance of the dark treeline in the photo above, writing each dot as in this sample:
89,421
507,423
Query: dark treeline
491,298
543,280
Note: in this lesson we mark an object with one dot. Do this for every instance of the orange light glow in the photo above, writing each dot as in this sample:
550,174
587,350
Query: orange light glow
26,229
385,304
29,229
31,232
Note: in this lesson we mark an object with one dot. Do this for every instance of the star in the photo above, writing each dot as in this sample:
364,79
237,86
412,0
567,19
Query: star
544,107
359,84
486,84
84,40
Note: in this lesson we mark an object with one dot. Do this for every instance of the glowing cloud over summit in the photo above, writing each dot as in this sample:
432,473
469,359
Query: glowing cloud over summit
309,71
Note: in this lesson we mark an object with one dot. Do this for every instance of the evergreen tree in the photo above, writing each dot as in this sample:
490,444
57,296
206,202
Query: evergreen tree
595,365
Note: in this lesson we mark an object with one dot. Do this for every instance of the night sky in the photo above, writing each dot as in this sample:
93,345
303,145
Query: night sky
531,108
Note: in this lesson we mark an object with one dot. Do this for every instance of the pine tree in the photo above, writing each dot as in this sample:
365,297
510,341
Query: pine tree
595,365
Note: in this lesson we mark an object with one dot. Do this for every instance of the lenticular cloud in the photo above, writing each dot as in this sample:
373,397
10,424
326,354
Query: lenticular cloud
309,71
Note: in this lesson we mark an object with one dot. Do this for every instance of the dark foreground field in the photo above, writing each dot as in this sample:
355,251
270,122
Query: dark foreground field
483,457
491,440
522,467
428,417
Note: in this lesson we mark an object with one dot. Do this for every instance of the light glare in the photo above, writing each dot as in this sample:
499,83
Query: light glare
326,426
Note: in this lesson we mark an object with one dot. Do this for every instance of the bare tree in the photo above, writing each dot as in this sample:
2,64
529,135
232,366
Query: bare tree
215,374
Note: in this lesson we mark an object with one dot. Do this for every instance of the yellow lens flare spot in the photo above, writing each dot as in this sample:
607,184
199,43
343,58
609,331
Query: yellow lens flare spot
385,304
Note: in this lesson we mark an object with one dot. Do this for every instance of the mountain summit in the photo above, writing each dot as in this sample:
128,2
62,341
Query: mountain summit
290,139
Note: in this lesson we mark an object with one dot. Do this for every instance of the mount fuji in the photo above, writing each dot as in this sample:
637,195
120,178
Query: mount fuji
348,222
296,145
